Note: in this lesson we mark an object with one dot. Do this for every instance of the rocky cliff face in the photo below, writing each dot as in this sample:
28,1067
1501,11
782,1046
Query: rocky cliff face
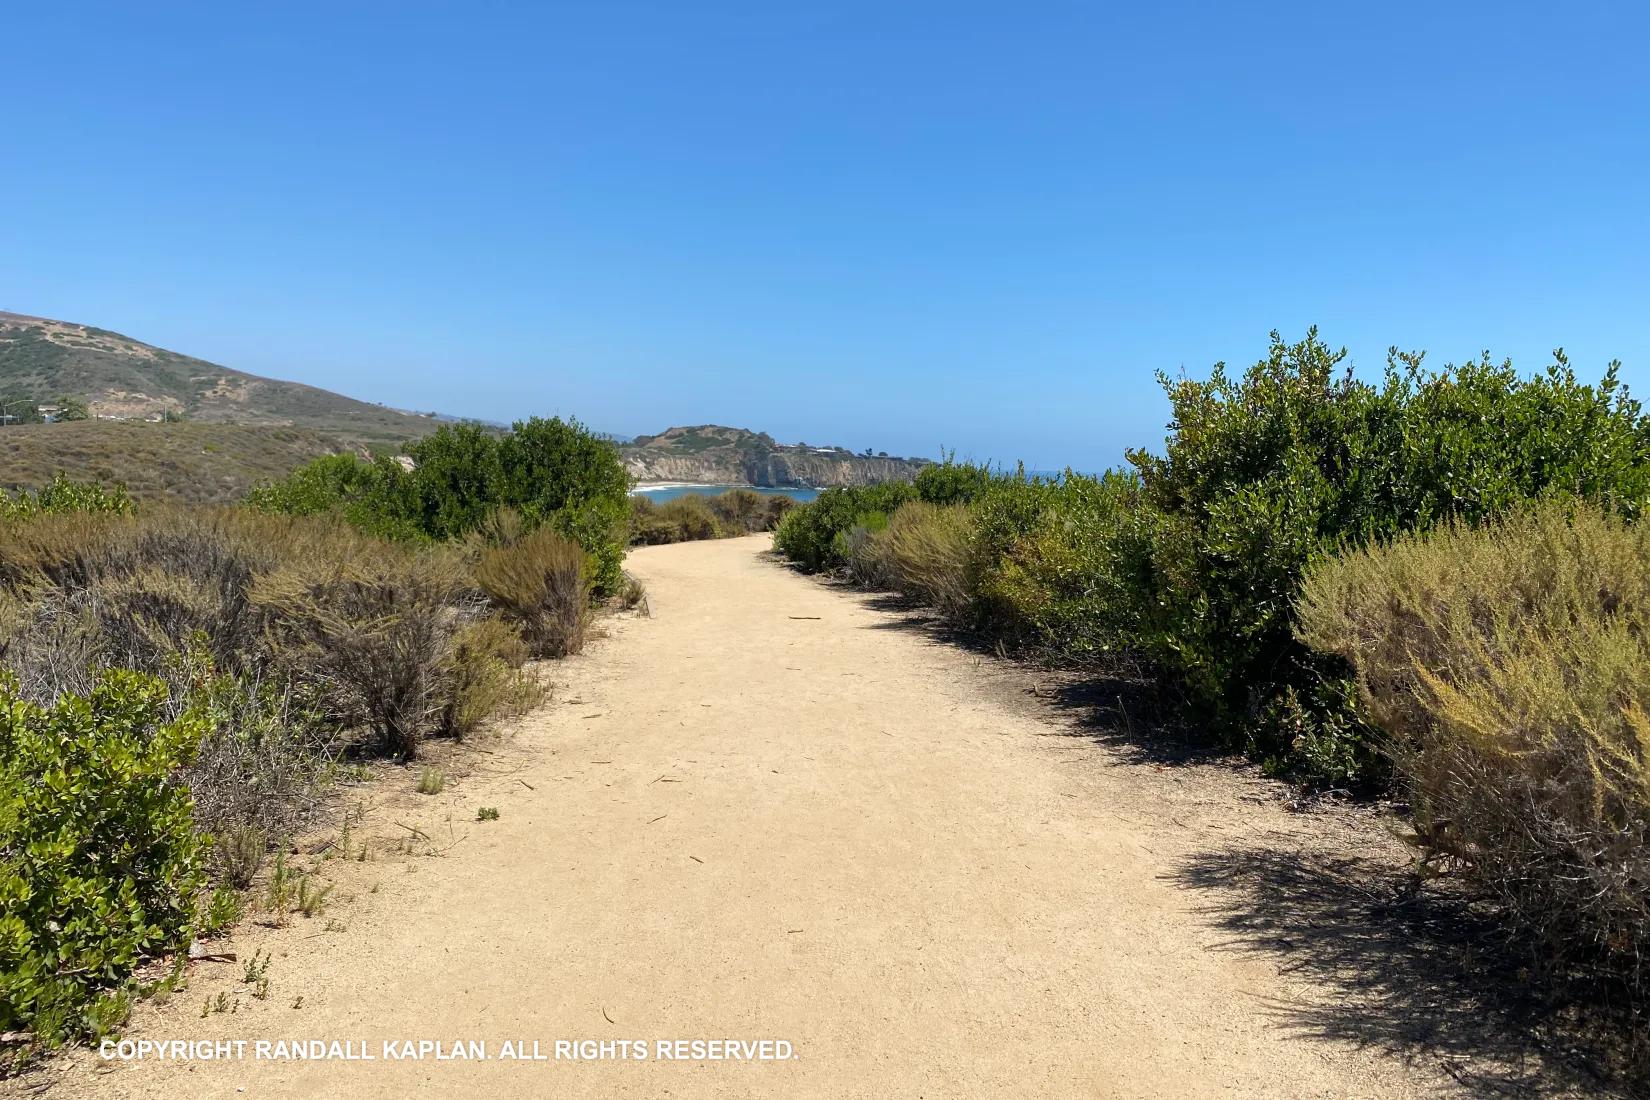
732,456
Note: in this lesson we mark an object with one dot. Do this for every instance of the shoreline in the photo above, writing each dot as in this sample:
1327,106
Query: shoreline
653,486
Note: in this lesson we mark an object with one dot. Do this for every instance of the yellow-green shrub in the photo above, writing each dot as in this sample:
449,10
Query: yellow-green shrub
1509,668
487,676
542,583
739,511
925,551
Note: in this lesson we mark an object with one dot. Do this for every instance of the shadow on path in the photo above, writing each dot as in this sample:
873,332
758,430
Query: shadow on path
1415,975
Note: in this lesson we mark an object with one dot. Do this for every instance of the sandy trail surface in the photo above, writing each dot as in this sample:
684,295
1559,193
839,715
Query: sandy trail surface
777,810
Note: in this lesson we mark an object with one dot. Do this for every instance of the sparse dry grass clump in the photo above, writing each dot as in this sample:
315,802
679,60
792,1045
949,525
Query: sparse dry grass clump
1510,669
542,582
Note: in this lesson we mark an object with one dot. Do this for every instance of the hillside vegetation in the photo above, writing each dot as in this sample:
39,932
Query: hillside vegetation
178,684
188,462
712,454
464,480
117,376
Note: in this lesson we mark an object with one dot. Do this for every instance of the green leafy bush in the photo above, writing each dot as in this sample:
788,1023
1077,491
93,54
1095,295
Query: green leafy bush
952,482
61,496
376,495
813,535
1062,565
542,583
100,862
1266,474
1509,668
553,473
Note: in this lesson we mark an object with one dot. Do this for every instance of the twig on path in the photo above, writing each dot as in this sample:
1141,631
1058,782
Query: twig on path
419,833
526,784
661,817
606,1017
598,714
696,859
803,616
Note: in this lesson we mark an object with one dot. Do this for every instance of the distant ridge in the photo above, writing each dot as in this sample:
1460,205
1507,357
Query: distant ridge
713,454
125,379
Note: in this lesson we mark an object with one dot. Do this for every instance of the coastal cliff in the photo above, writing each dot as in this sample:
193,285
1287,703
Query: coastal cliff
733,456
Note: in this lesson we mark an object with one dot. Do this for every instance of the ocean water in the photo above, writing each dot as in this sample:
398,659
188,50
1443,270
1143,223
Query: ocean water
670,492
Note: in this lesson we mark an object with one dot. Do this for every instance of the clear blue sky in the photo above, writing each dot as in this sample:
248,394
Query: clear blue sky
895,225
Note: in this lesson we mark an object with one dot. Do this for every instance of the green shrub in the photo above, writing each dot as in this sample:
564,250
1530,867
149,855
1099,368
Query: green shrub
1264,475
739,511
542,583
809,535
553,473
1509,667
100,862
62,495
377,495
952,482
1061,564
561,475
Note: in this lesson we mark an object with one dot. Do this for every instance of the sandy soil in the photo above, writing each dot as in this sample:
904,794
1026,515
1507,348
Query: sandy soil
775,810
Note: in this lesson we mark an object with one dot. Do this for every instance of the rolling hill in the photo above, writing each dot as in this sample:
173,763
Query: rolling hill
120,378
168,426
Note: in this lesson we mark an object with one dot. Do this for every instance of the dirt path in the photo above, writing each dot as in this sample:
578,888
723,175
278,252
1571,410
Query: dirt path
773,811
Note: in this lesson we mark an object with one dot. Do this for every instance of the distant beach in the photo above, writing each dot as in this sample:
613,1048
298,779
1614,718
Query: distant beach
660,491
